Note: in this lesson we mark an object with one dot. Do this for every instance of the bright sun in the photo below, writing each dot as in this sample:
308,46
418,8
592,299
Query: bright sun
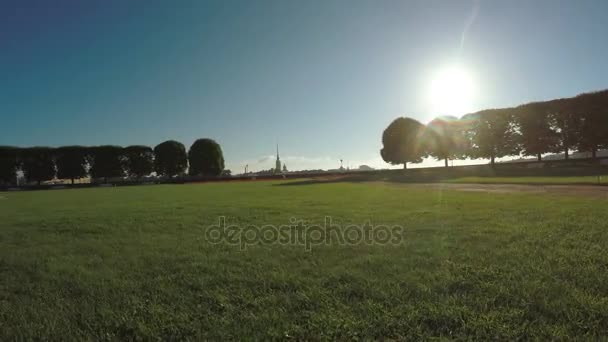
452,92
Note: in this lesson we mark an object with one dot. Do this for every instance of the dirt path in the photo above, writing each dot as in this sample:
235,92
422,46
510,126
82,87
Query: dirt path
580,190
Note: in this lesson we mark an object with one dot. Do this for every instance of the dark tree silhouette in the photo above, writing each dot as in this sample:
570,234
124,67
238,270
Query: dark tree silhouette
493,134
170,158
580,122
565,123
205,158
445,138
71,162
592,108
139,160
8,164
403,142
107,162
536,134
38,164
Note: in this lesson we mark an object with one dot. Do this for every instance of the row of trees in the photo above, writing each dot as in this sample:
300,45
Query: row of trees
167,159
533,129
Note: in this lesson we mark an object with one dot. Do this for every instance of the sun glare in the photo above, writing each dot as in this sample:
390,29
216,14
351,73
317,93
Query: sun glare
452,92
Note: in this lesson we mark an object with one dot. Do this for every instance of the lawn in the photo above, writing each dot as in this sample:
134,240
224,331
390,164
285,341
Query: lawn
135,263
603,180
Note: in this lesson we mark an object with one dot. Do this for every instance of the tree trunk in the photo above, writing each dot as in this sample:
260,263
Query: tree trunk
540,158
39,182
72,181
566,156
492,160
446,162
594,153
404,166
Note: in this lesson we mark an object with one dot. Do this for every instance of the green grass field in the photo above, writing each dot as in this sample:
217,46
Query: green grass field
594,180
134,263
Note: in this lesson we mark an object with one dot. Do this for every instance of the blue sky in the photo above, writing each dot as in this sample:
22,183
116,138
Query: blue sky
321,78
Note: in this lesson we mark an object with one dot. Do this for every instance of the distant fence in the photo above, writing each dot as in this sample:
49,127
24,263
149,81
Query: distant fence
548,168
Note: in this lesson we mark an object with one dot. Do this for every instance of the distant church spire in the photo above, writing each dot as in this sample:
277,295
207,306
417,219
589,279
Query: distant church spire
277,167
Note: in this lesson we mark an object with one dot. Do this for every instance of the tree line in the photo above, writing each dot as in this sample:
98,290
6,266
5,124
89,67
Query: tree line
168,159
533,129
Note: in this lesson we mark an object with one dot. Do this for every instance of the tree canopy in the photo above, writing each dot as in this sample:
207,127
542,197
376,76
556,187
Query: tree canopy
537,136
139,160
8,164
493,134
532,129
446,138
205,158
71,162
565,123
38,163
403,142
170,158
592,109
107,161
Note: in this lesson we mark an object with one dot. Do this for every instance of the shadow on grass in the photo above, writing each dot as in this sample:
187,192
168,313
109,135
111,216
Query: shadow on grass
393,177
483,174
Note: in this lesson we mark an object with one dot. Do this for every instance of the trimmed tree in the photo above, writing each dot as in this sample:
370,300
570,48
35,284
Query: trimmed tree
536,134
403,142
8,164
170,158
71,162
446,138
38,164
592,109
106,162
139,160
565,123
205,158
493,134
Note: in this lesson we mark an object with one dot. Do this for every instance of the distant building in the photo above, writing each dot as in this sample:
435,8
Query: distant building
277,166
365,168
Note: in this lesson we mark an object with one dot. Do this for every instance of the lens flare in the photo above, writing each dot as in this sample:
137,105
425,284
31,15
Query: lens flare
452,92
